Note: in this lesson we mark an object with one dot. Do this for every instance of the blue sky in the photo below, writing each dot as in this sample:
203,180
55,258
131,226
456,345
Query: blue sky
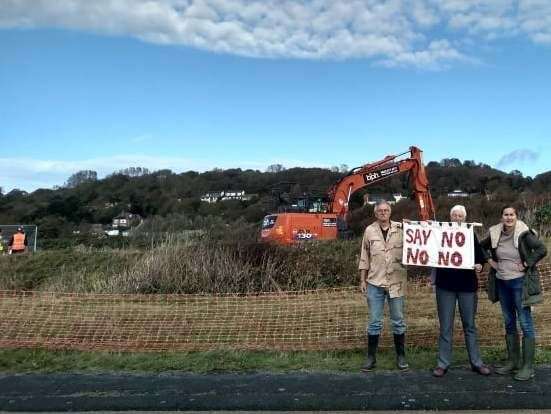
184,84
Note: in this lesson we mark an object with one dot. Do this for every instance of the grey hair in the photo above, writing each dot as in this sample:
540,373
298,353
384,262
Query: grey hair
460,209
380,203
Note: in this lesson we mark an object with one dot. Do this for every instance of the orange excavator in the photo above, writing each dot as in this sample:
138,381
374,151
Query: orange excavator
290,228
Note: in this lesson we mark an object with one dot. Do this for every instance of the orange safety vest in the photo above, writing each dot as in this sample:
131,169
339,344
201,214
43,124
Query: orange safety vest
18,242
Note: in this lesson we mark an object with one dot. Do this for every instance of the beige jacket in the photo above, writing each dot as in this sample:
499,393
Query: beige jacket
495,233
383,259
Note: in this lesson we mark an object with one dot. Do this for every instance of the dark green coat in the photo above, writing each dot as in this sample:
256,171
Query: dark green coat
531,251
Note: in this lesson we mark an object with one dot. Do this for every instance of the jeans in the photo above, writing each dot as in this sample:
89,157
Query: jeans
467,301
510,298
376,302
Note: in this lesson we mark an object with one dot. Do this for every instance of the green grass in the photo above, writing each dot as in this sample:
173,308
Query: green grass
81,270
37,360
176,268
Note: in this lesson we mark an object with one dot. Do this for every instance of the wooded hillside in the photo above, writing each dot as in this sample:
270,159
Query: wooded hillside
85,200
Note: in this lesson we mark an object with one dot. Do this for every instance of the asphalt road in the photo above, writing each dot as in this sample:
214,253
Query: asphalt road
416,390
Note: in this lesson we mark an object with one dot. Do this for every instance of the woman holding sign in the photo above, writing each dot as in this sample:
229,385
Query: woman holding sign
514,281
458,286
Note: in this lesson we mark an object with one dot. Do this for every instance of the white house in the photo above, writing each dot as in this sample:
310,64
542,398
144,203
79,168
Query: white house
211,197
126,220
373,199
216,196
458,194
233,195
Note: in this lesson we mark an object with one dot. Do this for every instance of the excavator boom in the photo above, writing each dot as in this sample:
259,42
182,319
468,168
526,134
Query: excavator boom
371,173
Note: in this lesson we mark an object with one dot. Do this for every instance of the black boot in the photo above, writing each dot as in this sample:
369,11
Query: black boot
400,345
372,345
513,355
528,353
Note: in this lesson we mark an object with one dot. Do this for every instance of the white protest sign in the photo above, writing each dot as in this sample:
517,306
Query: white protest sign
438,244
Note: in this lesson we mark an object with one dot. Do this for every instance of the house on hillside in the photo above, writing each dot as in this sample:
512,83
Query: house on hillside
397,197
373,199
211,197
458,194
233,195
126,220
216,196
123,223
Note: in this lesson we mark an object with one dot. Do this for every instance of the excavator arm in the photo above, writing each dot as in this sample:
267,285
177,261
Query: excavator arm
368,174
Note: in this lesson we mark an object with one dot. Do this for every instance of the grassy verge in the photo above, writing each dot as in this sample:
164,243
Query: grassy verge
202,266
36,360
67,270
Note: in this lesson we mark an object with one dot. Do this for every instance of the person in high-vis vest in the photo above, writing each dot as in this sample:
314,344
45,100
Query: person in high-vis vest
18,242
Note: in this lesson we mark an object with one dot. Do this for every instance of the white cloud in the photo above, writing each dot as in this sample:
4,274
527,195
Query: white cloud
480,16
535,19
438,52
390,32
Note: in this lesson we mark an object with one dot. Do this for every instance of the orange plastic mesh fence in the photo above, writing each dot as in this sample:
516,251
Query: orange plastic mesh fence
324,319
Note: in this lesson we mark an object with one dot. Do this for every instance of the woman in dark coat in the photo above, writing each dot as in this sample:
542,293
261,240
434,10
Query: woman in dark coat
458,286
514,281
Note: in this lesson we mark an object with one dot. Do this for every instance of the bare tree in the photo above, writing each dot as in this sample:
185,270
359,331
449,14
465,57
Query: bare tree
275,168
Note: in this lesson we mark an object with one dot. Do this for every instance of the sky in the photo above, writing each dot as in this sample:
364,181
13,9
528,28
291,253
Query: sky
203,84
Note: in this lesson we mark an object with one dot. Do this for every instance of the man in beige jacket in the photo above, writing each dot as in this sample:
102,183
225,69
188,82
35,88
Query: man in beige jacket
382,276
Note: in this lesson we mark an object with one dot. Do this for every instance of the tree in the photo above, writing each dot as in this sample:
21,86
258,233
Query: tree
81,177
543,220
16,193
450,162
134,171
296,191
53,227
275,168
166,193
